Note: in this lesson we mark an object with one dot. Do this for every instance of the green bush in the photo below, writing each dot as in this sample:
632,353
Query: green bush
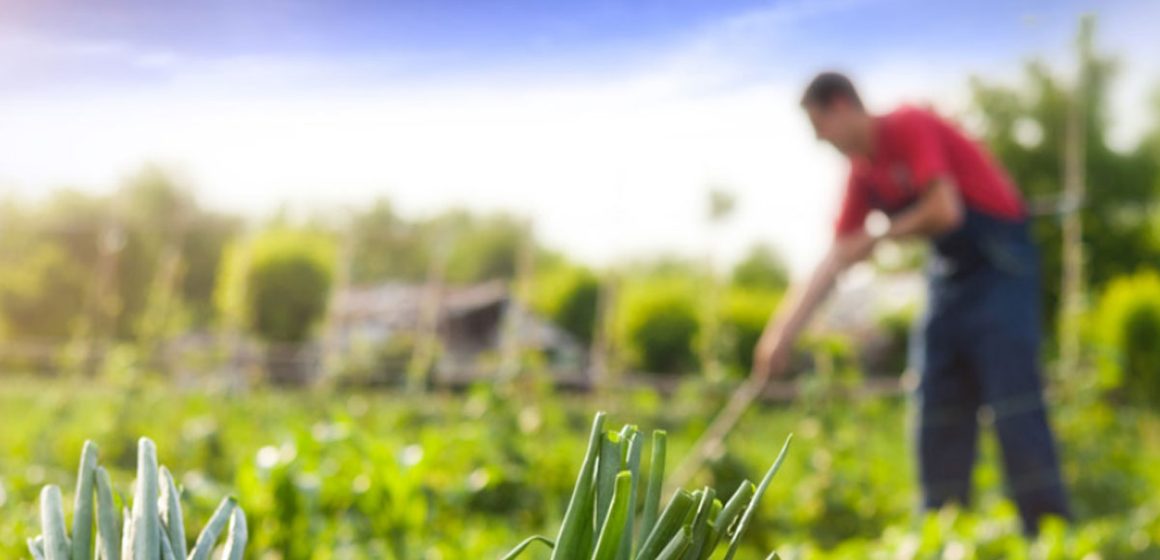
568,297
42,293
1127,328
887,354
278,284
744,314
657,325
382,364
762,268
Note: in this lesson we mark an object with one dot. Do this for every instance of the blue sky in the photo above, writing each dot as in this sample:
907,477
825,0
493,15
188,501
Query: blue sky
604,120
388,43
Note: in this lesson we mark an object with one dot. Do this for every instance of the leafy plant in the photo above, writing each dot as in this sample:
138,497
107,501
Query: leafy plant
762,269
658,325
277,284
599,523
153,529
1127,326
569,296
744,314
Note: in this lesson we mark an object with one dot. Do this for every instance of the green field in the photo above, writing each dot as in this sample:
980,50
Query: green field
347,475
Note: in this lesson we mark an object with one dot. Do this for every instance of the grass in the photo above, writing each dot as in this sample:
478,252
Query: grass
325,475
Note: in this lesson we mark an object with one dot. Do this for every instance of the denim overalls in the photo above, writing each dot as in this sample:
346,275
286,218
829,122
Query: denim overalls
978,344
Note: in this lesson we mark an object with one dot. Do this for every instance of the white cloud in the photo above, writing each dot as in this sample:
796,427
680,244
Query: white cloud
608,167
24,54
607,171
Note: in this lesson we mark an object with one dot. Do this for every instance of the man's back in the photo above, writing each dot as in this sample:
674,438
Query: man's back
912,148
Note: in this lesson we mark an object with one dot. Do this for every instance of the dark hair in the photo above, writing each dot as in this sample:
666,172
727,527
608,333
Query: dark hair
828,86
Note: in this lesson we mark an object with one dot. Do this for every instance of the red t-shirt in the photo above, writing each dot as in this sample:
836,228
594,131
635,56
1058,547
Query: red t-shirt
913,147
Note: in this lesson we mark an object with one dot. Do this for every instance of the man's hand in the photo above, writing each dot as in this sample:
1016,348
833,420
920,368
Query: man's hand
772,355
854,248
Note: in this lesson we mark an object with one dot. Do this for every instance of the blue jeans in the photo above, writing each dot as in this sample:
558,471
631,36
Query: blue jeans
978,344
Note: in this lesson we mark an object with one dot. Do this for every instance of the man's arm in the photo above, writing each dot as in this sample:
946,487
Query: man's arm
773,349
939,210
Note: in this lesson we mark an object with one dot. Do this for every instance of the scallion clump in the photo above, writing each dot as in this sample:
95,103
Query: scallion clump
152,530
600,522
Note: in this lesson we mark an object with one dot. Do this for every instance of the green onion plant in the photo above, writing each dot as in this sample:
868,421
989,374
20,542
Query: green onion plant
152,530
600,522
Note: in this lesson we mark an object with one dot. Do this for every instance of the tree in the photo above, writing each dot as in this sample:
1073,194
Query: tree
48,254
666,266
119,247
762,268
42,293
1025,128
172,250
151,211
207,234
721,206
481,248
385,247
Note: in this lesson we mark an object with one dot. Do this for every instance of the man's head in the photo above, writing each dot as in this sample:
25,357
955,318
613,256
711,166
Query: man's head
837,113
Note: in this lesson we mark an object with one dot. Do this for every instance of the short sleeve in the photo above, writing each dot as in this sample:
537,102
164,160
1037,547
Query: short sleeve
854,208
922,148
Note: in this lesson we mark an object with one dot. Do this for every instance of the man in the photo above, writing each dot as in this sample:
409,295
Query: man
977,343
